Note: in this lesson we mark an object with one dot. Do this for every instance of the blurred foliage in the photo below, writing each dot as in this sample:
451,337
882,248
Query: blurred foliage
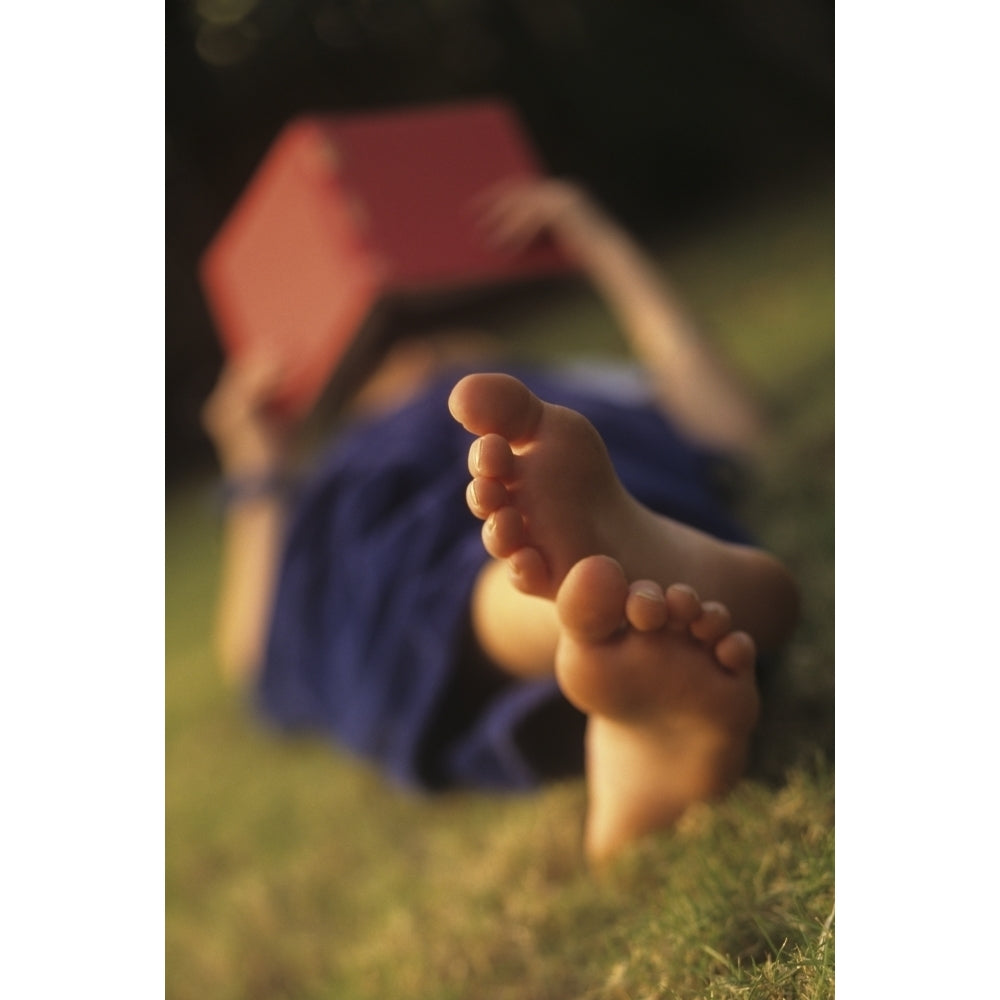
662,109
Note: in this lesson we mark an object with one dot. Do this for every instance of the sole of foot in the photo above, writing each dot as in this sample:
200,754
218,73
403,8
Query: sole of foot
542,482
669,690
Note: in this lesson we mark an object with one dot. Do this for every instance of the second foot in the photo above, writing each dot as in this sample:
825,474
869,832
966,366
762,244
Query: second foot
670,695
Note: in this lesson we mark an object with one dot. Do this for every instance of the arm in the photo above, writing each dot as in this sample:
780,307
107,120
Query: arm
691,383
252,450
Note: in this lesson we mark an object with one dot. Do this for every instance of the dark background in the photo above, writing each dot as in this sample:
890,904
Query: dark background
667,111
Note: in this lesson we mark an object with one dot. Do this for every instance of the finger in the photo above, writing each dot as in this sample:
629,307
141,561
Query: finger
260,373
498,192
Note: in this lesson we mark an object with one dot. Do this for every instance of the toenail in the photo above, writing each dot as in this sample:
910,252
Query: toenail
648,590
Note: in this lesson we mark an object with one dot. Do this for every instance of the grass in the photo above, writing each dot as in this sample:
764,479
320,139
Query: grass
293,871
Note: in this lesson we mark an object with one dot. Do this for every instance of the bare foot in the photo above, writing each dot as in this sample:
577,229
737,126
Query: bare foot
544,485
669,690
542,482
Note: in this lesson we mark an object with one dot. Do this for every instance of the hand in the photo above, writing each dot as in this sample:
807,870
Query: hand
248,437
516,212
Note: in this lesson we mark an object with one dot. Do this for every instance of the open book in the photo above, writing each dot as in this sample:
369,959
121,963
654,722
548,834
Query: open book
348,211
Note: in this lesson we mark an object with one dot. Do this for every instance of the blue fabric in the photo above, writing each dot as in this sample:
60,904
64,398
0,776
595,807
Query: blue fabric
380,558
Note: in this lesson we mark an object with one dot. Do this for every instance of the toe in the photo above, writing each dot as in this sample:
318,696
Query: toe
490,457
736,652
713,623
646,608
497,404
683,606
484,496
528,571
591,600
504,533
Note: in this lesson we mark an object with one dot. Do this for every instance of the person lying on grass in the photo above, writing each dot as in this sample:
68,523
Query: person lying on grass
605,617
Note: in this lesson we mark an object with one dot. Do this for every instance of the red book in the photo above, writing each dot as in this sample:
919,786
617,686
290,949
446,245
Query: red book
349,210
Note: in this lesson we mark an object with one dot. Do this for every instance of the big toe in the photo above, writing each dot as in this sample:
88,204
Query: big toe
591,600
496,404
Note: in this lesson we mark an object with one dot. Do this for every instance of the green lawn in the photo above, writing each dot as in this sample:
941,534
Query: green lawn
292,871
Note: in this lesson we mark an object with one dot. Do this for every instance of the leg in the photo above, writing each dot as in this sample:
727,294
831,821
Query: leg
665,678
545,487
526,651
